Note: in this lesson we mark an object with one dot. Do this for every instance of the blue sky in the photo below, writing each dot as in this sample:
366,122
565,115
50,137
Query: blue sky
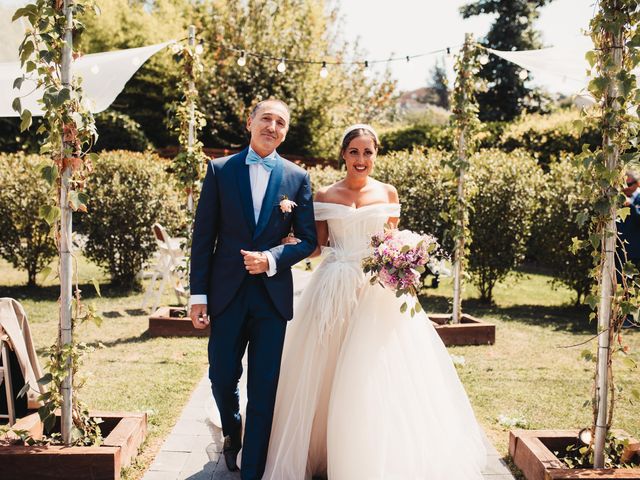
406,27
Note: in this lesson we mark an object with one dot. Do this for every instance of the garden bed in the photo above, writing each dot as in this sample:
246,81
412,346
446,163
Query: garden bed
123,433
174,322
470,330
532,452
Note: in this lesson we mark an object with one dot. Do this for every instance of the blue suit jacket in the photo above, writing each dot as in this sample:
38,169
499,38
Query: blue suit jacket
629,230
225,223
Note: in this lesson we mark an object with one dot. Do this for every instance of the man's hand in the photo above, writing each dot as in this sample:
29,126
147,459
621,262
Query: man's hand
199,317
255,262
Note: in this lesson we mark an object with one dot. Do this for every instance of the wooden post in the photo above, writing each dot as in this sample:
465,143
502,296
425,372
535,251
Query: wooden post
608,287
458,253
66,326
190,141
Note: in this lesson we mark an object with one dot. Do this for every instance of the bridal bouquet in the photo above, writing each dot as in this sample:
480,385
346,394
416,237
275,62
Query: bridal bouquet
398,259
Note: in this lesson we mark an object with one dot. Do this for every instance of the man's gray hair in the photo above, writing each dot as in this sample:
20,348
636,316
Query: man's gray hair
261,104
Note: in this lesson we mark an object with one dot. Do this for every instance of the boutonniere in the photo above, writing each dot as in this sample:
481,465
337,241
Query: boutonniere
286,205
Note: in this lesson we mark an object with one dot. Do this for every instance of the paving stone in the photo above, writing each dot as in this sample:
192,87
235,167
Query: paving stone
156,475
495,466
169,462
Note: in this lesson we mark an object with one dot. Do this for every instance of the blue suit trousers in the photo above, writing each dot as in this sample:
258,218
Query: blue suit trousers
252,320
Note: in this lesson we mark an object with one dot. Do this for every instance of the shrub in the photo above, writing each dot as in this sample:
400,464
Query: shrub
423,136
548,136
119,131
25,241
128,193
562,199
324,176
421,180
502,211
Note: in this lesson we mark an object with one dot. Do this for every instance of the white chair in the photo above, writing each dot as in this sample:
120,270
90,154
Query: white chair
15,334
5,377
169,268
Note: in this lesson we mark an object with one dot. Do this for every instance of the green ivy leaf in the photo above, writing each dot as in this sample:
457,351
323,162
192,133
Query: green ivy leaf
45,272
46,379
623,213
96,285
49,213
17,83
16,105
25,120
49,172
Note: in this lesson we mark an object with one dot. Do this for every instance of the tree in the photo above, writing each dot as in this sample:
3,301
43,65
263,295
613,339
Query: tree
295,29
507,95
439,84
136,23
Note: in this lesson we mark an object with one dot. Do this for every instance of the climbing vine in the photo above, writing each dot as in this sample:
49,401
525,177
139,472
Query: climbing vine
616,38
70,132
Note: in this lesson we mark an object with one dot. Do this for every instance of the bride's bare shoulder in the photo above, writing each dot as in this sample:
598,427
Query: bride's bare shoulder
389,190
330,193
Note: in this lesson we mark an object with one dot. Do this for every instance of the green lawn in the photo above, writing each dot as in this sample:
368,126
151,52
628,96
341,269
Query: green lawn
526,375
529,374
127,370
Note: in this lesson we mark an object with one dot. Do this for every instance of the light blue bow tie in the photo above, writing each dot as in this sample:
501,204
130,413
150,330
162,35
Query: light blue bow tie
267,163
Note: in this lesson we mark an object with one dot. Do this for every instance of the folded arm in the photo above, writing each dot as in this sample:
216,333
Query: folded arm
304,229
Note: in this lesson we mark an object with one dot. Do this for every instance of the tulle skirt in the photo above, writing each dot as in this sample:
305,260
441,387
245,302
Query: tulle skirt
367,392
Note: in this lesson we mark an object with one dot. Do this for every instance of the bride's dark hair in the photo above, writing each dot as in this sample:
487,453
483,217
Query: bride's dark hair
355,133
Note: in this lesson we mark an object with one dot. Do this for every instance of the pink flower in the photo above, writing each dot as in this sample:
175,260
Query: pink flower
286,205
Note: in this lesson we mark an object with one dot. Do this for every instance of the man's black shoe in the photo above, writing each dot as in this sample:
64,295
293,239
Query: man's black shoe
230,451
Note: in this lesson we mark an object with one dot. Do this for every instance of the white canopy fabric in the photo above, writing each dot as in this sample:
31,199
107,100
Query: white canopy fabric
566,62
104,75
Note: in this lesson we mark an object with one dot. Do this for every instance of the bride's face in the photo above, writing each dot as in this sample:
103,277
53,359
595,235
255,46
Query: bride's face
359,156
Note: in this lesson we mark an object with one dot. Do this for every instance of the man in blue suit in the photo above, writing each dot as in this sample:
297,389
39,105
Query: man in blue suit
628,248
241,279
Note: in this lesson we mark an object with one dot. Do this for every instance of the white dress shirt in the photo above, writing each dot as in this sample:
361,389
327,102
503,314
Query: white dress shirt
259,179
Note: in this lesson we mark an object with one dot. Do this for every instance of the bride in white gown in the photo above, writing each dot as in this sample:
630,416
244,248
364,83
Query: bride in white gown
365,392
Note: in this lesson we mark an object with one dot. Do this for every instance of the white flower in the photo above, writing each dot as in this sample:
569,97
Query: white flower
286,205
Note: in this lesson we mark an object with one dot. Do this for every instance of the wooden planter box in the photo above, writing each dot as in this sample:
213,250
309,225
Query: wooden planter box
532,452
174,322
470,330
123,434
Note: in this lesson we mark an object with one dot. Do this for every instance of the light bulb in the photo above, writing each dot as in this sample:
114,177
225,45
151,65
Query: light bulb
242,60
199,48
367,71
95,69
281,66
324,73
523,74
448,51
484,59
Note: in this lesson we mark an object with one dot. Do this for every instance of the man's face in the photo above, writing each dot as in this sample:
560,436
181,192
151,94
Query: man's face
268,127
632,185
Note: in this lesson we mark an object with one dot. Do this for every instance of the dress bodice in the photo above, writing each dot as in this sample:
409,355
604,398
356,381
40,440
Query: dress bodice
351,228
339,277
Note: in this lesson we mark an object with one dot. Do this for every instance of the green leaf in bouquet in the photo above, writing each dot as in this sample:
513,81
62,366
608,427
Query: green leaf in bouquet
373,280
412,312
418,306
405,249
403,307
398,293
420,269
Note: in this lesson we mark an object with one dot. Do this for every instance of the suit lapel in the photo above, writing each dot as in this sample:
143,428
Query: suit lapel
244,187
269,197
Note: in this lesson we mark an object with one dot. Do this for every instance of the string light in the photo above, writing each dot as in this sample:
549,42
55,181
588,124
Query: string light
324,73
483,59
448,51
523,74
281,66
408,59
199,48
242,59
